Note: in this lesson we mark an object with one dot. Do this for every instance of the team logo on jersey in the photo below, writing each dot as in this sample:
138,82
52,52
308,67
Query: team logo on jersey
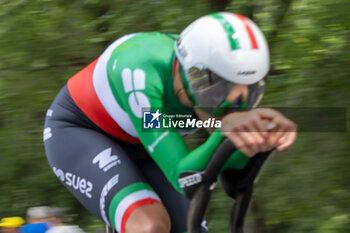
151,120
47,133
134,82
83,185
106,160
105,191
49,113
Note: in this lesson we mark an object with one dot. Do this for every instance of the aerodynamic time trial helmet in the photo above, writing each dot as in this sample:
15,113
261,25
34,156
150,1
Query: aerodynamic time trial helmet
219,50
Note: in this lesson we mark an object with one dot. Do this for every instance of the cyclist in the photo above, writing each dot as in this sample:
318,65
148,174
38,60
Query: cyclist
127,176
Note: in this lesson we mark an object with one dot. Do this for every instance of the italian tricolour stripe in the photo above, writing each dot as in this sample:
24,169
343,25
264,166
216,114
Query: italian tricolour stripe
127,200
92,93
249,31
240,32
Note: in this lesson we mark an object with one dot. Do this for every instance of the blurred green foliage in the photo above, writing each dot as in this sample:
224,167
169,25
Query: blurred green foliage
44,42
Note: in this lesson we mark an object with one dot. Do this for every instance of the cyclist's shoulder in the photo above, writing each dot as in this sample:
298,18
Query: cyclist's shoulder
144,38
143,47
147,54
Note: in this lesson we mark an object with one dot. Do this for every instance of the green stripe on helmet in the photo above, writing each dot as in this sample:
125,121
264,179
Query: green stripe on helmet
228,28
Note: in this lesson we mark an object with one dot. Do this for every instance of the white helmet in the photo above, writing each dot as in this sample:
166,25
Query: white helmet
219,50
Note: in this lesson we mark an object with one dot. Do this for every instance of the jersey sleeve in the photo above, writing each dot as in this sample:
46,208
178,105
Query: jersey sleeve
141,87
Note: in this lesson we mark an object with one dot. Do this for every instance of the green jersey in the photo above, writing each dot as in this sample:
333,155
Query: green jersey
133,74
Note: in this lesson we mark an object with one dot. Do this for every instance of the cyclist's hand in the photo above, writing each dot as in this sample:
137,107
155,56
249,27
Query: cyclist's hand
282,131
248,131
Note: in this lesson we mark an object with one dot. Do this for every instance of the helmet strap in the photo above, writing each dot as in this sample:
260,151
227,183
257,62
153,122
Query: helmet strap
227,107
175,61
185,84
179,88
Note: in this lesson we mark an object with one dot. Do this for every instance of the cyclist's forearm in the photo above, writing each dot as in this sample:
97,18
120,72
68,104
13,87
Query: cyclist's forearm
200,157
173,158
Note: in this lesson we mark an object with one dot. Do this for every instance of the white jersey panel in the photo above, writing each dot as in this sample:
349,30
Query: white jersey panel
104,92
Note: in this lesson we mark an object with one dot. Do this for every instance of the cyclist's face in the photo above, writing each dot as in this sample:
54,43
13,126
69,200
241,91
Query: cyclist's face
236,95
235,100
236,92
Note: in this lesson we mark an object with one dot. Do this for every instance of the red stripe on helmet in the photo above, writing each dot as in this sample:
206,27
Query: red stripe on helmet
252,38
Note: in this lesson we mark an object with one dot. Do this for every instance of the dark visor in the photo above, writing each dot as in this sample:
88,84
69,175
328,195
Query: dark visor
210,90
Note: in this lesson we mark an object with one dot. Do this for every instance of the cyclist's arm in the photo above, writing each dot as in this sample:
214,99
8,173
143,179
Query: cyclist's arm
169,151
167,148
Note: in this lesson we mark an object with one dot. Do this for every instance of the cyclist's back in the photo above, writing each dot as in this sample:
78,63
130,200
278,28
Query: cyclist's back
133,63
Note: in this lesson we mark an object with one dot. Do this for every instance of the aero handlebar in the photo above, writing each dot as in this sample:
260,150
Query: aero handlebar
238,184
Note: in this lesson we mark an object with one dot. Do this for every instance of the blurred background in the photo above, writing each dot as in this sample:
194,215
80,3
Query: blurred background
44,42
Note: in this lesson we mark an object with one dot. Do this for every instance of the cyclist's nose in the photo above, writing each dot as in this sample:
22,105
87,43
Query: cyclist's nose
238,93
